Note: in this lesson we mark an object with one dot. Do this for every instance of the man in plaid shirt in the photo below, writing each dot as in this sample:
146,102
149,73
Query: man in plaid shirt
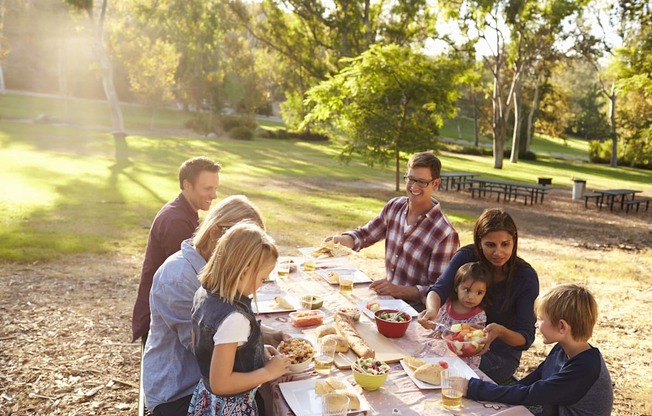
419,239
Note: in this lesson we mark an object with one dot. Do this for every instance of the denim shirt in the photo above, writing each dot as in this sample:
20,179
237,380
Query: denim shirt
209,311
170,368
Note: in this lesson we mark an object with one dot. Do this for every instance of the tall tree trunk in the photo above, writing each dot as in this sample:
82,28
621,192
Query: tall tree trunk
516,136
476,133
498,124
612,120
117,121
530,117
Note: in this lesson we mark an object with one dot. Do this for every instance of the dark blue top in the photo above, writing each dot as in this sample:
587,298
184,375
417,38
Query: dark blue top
515,312
208,312
579,386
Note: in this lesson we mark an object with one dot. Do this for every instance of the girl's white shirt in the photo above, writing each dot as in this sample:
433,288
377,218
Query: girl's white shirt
234,328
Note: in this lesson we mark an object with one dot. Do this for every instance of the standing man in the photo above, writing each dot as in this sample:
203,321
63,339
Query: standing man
174,223
419,240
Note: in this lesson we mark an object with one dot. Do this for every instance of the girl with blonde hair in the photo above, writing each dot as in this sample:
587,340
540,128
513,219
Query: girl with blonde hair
170,371
227,338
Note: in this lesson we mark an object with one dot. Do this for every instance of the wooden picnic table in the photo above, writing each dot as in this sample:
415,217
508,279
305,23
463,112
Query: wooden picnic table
457,180
611,196
399,394
529,191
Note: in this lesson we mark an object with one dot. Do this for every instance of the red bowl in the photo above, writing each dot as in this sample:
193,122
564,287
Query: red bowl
390,328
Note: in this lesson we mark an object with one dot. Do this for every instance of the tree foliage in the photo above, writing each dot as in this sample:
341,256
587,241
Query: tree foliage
313,36
386,101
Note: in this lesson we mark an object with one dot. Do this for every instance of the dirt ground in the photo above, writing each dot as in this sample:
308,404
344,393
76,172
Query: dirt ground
65,325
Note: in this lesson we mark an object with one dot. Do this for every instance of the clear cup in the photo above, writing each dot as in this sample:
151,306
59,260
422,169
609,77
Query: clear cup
283,268
309,263
325,356
334,404
452,387
346,283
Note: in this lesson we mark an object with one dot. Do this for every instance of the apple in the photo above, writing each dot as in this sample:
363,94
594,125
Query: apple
456,327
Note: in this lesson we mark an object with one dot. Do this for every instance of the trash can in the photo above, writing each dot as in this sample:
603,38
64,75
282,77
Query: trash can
579,186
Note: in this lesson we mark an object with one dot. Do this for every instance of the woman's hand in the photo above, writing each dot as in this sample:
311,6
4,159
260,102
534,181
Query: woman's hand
277,366
492,331
427,318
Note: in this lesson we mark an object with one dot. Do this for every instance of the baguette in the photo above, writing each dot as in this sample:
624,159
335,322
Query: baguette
356,342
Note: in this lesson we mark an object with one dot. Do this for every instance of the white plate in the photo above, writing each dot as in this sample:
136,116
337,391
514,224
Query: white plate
398,304
267,304
357,275
303,400
454,363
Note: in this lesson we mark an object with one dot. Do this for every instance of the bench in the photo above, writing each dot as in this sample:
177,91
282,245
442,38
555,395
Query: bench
638,203
507,195
597,197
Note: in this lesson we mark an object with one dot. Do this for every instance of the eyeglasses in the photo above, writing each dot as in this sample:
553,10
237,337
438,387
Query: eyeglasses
419,182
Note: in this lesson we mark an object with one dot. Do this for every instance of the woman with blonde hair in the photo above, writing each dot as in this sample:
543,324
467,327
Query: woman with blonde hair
170,371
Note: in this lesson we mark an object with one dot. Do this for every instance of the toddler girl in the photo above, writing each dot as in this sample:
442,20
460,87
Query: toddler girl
467,301
227,339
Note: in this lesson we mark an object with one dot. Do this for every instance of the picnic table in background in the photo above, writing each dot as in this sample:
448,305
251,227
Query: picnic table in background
457,180
626,197
534,193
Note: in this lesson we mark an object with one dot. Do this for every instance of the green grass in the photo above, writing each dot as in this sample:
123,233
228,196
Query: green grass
462,129
63,194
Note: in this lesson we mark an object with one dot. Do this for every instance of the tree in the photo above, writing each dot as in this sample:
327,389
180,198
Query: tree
312,37
520,34
151,74
387,101
95,11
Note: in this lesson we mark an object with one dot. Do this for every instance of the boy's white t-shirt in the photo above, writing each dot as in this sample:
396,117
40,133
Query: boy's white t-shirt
234,328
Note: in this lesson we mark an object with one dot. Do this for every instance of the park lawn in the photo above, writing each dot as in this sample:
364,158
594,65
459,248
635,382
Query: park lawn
462,129
64,193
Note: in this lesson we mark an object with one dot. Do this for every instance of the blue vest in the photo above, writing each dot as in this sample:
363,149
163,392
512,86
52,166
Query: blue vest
208,312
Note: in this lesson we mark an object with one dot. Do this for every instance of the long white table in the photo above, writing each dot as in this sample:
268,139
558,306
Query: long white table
399,395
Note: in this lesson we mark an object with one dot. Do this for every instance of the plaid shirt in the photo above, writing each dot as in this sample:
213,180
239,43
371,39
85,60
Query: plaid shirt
416,255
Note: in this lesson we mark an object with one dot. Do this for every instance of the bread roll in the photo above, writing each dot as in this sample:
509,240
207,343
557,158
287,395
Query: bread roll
322,330
356,342
329,385
354,400
342,344
429,373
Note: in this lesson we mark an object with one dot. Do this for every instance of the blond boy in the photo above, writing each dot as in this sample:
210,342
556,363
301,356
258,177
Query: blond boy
573,379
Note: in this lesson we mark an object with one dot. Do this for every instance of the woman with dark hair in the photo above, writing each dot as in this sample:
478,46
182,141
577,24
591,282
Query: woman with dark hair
514,287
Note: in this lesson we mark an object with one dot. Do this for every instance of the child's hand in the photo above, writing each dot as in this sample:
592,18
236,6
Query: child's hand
277,366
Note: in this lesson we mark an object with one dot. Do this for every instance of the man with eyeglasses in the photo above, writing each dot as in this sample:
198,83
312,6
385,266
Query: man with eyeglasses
419,239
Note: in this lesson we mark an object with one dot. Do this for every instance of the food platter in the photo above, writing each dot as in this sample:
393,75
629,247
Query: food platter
454,363
303,400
